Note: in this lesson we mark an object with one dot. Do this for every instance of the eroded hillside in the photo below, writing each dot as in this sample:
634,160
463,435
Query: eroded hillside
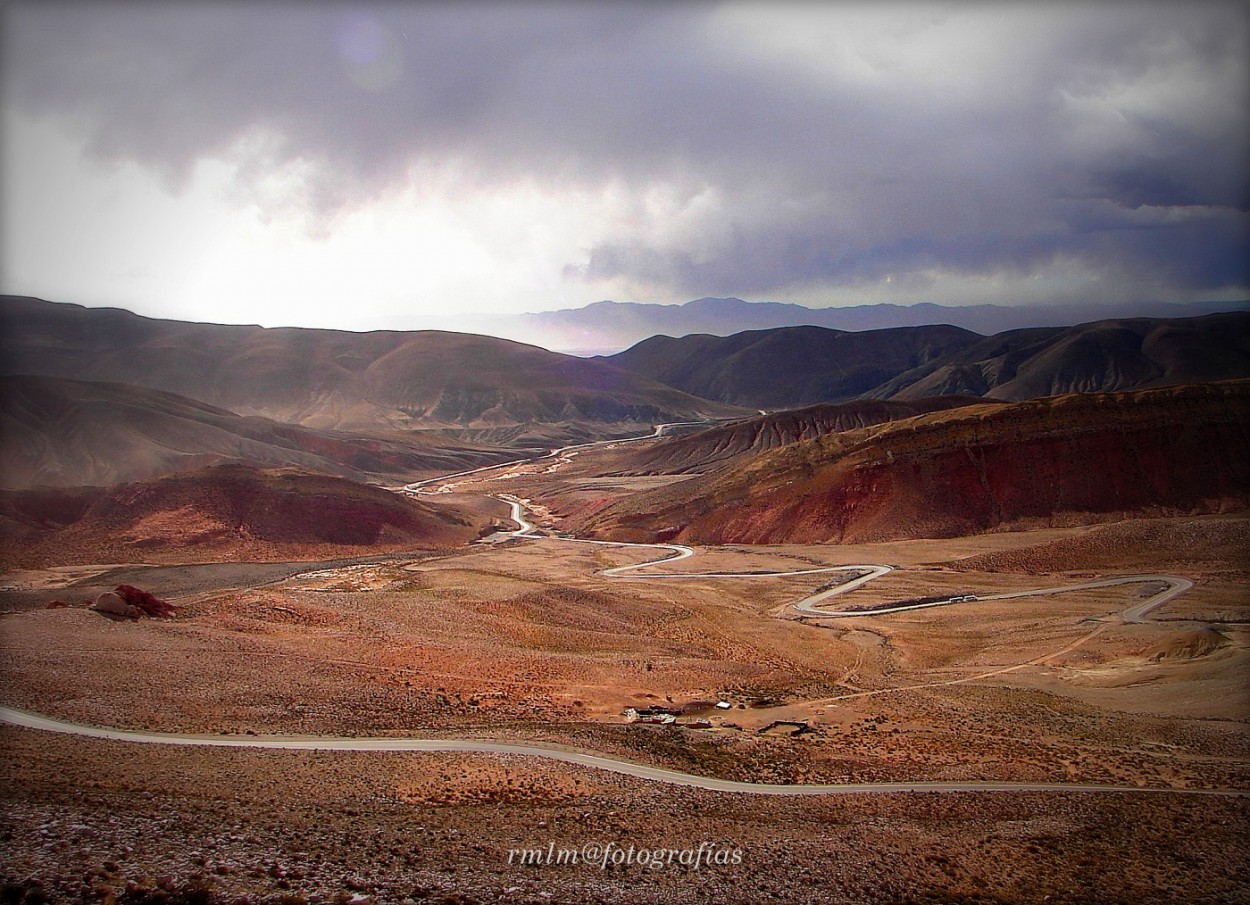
1065,459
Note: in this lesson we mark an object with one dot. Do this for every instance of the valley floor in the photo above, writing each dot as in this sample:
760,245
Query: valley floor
525,641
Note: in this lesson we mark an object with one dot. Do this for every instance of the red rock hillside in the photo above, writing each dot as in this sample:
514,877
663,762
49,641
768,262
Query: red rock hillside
1063,459
228,511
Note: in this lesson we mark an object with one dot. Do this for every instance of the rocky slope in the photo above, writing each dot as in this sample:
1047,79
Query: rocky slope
750,436
1066,459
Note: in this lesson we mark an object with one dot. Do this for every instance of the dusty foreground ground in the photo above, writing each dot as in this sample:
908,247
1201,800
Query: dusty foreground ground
524,640
89,817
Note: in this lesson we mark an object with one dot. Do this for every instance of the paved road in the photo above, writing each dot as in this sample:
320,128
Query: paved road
1173,586
660,429
527,529
642,771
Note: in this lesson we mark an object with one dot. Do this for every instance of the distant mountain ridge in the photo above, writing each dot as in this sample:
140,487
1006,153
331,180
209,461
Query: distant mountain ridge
797,366
486,388
335,379
791,366
607,327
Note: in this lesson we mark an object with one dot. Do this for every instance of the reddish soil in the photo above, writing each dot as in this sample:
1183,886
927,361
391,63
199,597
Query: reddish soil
1186,544
227,511
1061,460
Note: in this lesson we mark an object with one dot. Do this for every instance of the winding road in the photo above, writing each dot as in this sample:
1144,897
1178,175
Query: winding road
595,761
809,606
416,486
1173,586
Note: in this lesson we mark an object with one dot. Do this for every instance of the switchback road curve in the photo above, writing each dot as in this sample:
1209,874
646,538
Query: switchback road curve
1173,586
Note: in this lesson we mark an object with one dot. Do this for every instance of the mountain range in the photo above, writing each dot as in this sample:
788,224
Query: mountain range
335,379
797,366
607,327
100,396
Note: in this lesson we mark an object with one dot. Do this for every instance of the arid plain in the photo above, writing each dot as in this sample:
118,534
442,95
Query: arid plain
525,639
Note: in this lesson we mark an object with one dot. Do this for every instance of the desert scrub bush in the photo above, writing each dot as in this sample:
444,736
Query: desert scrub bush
28,892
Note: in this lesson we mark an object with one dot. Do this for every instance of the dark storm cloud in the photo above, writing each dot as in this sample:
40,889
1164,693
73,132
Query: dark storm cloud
1114,134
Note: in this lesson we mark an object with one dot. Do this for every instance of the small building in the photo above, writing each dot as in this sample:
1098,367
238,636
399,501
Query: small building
653,714
662,719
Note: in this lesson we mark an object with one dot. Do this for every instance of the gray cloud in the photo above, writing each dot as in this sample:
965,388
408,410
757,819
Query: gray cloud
1113,134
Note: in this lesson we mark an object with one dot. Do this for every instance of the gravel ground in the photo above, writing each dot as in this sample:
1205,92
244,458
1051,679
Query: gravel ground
102,821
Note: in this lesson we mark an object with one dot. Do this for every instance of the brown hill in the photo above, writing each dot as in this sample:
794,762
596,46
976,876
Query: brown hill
795,366
788,367
70,432
1190,645
223,512
334,378
1063,459
1110,355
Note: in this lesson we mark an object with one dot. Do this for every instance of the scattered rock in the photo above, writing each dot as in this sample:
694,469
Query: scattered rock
111,604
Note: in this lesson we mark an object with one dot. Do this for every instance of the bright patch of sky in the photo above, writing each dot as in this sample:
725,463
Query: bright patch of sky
396,165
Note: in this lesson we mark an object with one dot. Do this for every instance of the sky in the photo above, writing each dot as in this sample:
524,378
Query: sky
401,164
